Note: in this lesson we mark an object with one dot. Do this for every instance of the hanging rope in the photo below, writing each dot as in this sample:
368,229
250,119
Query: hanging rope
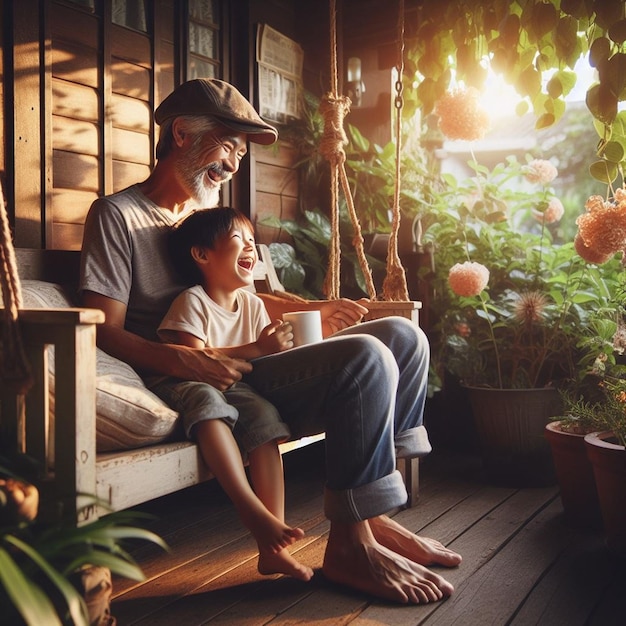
334,108
394,285
14,366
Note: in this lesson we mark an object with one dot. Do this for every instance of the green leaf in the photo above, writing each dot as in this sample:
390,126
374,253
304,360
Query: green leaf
599,52
544,19
31,603
602,103
603,171
617,31
613,152
545,120
74,601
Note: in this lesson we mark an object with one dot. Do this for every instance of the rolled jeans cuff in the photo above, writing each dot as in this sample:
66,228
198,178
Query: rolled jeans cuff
412,443
366,501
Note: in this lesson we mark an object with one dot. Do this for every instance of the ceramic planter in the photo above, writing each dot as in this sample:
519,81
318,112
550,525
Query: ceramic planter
510,425
608,460
575,477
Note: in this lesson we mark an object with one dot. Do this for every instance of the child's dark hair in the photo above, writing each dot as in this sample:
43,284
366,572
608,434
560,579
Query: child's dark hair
204,228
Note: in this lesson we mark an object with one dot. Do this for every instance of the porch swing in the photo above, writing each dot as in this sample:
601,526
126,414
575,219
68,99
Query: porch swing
334,107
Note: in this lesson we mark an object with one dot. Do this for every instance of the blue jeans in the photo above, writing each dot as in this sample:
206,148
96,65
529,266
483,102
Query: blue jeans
365,387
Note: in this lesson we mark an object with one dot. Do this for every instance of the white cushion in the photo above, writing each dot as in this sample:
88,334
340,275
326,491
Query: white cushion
128,415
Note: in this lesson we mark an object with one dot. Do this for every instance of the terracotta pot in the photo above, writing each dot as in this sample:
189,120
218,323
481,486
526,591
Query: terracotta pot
609,467
575,476
510,426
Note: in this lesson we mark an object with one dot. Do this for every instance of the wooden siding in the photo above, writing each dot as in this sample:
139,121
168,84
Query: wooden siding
276,188
84,92
76,124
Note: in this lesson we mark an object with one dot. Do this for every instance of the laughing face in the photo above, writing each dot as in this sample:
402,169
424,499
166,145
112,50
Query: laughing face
231,262
210,160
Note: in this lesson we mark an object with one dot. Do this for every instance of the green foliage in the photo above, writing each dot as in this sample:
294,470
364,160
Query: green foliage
530,326
302,267
523,40
38,561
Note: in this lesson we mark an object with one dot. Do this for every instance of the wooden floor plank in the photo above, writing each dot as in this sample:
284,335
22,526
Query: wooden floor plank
569,592
521,565
477,545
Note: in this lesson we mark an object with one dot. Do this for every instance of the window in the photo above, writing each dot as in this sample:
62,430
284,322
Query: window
203,38
131,13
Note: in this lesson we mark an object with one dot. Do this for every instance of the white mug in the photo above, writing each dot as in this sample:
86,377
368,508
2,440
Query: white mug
307,326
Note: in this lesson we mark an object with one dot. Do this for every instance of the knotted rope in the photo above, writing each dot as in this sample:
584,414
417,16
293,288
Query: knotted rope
14,365
334,108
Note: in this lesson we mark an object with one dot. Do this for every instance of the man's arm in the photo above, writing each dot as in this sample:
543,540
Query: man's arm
205,365
336,314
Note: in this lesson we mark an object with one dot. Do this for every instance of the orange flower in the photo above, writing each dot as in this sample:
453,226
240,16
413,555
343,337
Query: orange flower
460,115
468,279
589,254
603,227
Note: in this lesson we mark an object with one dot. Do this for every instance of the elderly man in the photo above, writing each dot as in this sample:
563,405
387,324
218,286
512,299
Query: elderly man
365,386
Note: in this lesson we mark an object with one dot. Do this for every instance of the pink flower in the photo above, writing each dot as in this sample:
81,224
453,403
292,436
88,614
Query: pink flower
460,115
553,213
468,279
540,171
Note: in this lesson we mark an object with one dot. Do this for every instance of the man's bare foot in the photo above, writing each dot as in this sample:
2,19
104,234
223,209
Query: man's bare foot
422,550
354,558
271,534
283,563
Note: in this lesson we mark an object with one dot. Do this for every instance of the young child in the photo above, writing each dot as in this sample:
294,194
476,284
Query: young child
214,249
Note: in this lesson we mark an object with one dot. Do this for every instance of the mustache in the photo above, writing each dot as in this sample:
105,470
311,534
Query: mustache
222,174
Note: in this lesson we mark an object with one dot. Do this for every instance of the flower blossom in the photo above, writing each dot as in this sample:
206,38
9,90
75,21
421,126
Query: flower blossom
529,306
460,115
540,171
553,213
603,227
468,279
589,254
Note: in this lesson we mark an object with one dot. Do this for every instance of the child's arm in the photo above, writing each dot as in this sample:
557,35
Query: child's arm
275,337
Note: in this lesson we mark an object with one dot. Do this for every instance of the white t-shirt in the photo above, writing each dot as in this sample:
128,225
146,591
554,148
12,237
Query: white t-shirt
194,312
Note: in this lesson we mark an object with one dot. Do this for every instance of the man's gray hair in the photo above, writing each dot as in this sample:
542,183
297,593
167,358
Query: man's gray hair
196,125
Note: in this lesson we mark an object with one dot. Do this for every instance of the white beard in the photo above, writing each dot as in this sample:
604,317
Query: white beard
205,197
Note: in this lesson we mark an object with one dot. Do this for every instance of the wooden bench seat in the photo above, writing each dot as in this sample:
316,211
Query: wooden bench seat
75,472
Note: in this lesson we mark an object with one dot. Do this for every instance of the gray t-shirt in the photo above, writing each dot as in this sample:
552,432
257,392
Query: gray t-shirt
124,257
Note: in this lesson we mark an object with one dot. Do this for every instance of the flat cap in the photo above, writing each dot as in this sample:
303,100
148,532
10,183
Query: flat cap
219,99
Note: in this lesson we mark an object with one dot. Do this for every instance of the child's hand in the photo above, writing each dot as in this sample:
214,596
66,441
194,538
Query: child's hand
275,337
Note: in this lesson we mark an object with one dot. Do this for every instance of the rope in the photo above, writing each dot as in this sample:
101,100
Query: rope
334,109
14,365
394,285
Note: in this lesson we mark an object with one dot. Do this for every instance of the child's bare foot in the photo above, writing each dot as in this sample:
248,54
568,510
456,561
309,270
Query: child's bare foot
271,534
421,550
283,563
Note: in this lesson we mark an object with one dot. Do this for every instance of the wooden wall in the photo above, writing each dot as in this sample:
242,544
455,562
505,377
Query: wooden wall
83,91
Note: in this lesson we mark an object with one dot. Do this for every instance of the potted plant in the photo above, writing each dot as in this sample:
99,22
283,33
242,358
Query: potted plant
54,572
512,302
605,448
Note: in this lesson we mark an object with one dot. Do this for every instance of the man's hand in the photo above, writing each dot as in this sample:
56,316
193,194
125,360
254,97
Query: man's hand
211,366
339,314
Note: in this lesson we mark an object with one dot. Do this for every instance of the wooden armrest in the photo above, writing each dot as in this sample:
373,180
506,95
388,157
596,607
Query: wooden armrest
62,316
72,331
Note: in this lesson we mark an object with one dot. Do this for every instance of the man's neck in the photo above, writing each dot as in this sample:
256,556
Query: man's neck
161,188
